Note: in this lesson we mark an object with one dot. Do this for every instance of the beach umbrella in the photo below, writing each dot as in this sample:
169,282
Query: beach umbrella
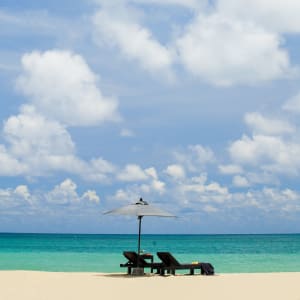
139,209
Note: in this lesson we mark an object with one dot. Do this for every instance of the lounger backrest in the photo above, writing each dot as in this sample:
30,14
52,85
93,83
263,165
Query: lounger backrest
133,258
168,259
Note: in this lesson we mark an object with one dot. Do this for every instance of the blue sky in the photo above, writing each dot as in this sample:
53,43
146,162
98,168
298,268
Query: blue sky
191,104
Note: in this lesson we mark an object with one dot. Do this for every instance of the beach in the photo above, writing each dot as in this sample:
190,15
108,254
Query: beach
36,285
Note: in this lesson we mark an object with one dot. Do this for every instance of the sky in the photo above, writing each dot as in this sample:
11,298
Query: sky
192,105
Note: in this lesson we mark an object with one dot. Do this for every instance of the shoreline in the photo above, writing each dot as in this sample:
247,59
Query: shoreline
36,285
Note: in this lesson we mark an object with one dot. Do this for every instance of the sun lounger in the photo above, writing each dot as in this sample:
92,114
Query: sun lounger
170,264
135,261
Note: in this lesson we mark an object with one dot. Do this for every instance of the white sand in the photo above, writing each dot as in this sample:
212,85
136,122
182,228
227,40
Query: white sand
30,285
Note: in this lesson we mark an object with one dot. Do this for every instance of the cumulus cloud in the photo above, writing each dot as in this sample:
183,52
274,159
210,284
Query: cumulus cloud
240,181
210,209
195,157
262,125
35,143
31,133
62,87
10,166
226,51
37,146
270,200
66,193
98,170
127,133
267,153
91,196
293,104
132,172
223,43
117,27
19,197
22,191
230,169
183,3
279,15
151,172
63,193
175,171
198,189
21,200
158,186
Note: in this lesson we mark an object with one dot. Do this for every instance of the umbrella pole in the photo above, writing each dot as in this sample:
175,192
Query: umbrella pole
139,239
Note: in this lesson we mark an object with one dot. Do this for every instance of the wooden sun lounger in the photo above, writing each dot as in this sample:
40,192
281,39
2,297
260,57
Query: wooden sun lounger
135,261
170,264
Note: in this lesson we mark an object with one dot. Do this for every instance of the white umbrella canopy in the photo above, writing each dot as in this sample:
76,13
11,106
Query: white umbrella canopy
140,209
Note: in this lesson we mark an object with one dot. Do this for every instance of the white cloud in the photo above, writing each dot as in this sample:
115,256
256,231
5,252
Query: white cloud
198,189
277,15
226,51
37,146
230,169
151,172
22,191
225,44
98,170
20,197
62,86
132,172
202,195
240,181
117,27
267,153
31,133
175,171
64,193
36,143
271,200
21,200
262,125
158,186
293,104
195,157
91,196
183,3
127,133
203,155
10,166
210,209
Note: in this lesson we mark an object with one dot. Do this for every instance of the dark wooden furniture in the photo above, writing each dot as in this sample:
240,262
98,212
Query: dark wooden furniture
170,264
140,261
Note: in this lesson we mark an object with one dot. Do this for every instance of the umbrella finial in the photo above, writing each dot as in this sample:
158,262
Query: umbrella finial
142,202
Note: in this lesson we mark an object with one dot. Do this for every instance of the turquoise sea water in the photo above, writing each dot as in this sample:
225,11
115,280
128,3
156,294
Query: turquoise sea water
103,253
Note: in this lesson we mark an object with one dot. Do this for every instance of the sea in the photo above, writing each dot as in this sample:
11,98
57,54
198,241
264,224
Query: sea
230,253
